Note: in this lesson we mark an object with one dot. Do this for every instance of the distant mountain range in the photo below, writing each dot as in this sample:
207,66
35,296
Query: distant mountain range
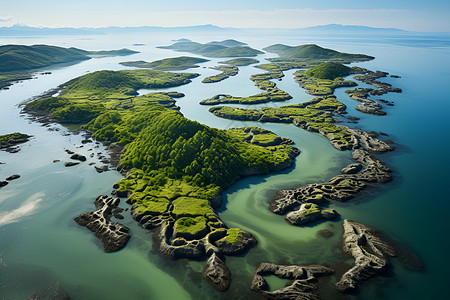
21,30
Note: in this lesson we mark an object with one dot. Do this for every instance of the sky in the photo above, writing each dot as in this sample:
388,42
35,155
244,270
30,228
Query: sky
431,15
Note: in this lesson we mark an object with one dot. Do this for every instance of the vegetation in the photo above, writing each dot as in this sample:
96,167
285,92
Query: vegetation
312,52
167,64
227,71
175,167
19,57
238,62
227,48
11,139
6,79
315,115
328,70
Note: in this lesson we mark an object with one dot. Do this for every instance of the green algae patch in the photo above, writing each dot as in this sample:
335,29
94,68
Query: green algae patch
168,64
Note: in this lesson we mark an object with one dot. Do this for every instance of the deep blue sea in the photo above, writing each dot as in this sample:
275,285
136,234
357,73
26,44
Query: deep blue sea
41,247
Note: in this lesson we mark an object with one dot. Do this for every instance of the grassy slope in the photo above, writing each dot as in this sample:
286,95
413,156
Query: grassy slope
176,166
238,62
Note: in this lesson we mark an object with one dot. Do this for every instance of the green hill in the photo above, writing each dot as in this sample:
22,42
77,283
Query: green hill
168,64
329,70
227,48
237,62
20,57
313,52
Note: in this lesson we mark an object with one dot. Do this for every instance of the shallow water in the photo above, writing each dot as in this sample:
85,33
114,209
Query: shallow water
41,244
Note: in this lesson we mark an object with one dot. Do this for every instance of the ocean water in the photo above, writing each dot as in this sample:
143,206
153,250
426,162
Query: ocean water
42,247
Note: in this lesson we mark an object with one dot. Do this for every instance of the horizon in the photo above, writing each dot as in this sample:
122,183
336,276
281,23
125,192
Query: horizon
403,14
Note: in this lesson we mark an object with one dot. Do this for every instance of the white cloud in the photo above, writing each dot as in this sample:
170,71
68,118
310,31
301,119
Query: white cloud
5,19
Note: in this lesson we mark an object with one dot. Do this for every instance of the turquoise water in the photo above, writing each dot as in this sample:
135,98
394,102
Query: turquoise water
41,245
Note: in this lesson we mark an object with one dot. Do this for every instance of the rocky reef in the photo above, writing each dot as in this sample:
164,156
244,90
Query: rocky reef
308,213
370,251
216,273
113,235
9,142
303,284
339,188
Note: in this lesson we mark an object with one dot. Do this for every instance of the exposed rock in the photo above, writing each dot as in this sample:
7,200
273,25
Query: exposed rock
339,188
3,183
216,273
177,248
113,235
78,157
56,160
371,254
363,140
309,212
69,151
243,242
371,107
70,164
352,168
303,285
12,177
101,169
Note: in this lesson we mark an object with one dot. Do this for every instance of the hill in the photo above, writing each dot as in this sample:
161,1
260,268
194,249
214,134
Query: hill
328,70
311,52
227,48
20,57
167,64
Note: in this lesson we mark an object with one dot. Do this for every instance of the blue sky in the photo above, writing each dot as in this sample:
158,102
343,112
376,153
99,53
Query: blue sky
431,15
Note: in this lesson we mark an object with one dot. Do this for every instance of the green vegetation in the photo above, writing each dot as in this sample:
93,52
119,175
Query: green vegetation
176,168
324,78
328,70
167,64
11,139
314,115
227,48
312,52
238,62
19,57
6,79
227,71
120,52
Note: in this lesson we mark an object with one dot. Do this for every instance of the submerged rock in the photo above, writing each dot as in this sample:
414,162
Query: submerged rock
371,254
303,285
113,235
216,273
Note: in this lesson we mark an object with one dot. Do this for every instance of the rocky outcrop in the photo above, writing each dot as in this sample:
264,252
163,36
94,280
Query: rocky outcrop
3,183
339,188
241,243
113,235
371,107
309,212
371,254
352,168
365,140
71,164
303,285
13,177
79,157
216,273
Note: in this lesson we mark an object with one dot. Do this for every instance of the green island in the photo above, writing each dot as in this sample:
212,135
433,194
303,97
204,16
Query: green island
175,168
312,52
227,48
227,71
240,62
7,79
13,139
19,57
324,78
167,64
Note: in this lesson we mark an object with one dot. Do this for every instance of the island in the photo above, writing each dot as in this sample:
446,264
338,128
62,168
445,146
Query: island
227,48
240,62
167,64
18,61
175,169
312,52
9,142
227,71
